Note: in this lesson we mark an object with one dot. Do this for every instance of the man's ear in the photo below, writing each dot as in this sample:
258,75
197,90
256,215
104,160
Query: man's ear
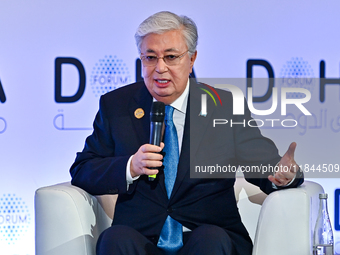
192,60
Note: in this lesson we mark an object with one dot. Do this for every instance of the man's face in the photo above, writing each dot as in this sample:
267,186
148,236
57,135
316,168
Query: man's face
166,83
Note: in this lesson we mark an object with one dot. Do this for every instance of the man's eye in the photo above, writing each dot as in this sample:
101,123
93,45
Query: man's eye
150,58
170,57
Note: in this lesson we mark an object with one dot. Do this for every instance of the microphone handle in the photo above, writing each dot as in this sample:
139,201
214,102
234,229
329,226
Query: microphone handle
155,139
156,133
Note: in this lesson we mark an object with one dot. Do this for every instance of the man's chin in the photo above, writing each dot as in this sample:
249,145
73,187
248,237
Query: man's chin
165,98
164,95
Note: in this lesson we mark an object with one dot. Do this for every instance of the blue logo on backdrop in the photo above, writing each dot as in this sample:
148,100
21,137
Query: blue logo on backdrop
15,218
108,74
297,73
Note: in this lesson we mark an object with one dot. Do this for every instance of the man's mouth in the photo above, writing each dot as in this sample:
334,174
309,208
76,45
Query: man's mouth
162,82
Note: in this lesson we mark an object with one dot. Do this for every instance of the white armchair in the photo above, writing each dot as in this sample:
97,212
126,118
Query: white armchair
69,220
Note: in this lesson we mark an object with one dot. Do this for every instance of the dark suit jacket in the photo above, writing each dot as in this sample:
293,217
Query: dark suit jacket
101,167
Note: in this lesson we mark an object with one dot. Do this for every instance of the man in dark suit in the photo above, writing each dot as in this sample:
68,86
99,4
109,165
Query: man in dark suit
149,217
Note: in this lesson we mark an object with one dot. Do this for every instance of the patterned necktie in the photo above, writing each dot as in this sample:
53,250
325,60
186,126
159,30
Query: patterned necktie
170,239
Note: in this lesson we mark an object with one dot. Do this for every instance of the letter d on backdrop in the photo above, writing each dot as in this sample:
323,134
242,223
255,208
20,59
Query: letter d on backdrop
82,80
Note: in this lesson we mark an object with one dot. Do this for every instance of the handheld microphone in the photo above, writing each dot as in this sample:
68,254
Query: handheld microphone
156,124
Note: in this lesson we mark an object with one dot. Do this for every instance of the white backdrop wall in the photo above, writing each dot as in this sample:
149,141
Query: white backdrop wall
39,136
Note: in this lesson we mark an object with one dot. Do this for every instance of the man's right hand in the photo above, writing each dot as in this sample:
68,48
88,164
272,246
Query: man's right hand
146,157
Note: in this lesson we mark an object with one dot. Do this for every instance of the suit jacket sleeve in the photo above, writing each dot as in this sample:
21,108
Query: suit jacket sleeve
239,142
253,149
97,163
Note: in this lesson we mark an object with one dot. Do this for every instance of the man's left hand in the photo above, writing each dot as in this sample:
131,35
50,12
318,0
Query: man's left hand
286,168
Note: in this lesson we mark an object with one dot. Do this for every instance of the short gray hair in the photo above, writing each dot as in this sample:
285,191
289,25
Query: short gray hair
165,21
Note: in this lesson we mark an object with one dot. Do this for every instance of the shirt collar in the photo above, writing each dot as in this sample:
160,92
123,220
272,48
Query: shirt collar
180,104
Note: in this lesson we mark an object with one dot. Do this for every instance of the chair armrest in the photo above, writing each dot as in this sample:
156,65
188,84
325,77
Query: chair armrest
287,219
68,220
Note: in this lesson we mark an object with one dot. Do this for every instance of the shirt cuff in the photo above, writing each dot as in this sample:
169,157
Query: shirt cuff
129,179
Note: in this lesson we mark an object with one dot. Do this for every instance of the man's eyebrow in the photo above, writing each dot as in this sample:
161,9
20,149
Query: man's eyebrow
150,51
167,50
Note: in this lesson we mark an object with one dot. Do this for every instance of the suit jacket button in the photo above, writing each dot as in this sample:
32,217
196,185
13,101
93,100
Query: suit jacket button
169,210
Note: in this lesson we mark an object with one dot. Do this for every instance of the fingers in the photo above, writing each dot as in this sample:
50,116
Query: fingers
145,158
283,175
281,178
278,181
291,150
273,180
162,145
287,161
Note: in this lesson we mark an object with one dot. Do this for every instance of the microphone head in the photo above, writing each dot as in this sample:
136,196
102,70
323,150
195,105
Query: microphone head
157,112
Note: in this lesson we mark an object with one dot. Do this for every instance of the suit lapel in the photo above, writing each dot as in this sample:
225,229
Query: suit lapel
143,100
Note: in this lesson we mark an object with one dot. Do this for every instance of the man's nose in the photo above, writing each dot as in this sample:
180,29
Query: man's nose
161,67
